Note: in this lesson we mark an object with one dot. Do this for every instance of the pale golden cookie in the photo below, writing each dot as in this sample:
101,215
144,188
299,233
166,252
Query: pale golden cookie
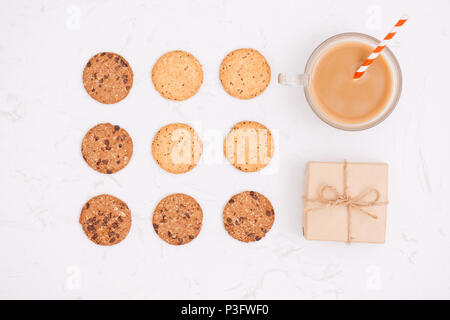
106,220
107,148
108,77
248,216
249,146
177,219
177,75
177,148
245,73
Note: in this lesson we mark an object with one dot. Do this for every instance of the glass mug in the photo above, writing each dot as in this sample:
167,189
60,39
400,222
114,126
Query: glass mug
306,80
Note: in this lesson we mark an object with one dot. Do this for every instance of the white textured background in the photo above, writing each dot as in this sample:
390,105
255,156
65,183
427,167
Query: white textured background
45,112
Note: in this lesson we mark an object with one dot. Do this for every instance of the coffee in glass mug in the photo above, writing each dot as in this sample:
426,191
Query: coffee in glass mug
337,98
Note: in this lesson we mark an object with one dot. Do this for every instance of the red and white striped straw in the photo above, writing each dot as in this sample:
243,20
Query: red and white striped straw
360,72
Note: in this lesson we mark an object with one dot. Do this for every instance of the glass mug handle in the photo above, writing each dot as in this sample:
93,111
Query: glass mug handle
290,79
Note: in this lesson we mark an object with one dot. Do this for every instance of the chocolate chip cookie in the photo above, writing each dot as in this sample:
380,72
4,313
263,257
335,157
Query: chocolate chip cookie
245,73
105,219
107,148
249,146
108,77
248,216
177,219
177,75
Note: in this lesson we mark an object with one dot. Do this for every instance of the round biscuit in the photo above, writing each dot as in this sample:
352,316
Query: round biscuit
249,146
108,77
107,148
248,216
177,75
177,219
105,219
244,73
177,148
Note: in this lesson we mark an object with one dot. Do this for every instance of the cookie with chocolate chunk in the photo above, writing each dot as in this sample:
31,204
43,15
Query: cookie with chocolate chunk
177,219
177,75
107,148
245,73
249,146
108,77
105,219
177,148
248,216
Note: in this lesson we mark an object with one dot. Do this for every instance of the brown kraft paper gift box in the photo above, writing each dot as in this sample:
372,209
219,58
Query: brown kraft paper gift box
345,201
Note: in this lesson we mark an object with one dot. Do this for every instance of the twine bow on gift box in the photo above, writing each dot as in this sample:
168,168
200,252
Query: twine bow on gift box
329,196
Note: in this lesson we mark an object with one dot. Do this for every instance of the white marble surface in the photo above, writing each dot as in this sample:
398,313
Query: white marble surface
44,113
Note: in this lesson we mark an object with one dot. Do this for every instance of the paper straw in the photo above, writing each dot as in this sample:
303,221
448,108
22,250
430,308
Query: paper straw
360,72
